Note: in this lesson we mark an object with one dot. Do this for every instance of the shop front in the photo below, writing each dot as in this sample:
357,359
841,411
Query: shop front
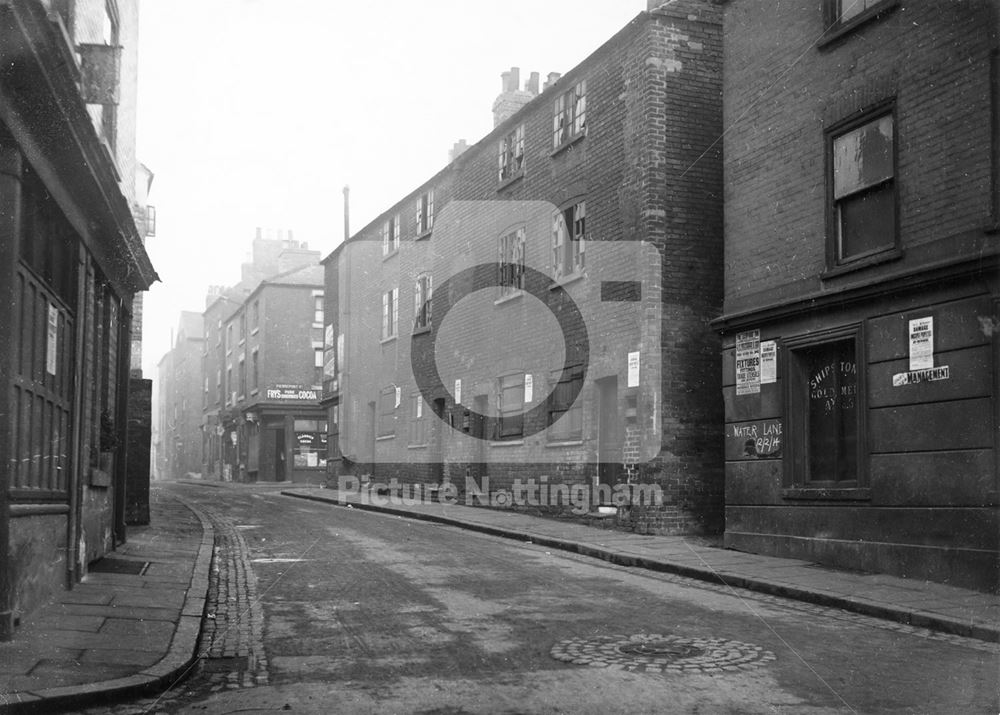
283,438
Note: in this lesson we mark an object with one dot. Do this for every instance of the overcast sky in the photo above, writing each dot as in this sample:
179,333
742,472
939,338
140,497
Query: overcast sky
258,112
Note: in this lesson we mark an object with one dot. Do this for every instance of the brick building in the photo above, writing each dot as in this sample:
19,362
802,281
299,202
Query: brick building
261,366
861,298
179,403
541,306
72,260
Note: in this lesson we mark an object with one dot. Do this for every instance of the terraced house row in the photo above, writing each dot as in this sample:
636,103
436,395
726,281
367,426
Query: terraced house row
747,255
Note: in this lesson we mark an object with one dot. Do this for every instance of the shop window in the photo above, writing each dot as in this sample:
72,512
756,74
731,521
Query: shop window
569,228
510,159
565,413
390,313
569,116
511,263
863,189
390,236
510,402
825,411
422,292
425,213
387,412
310,447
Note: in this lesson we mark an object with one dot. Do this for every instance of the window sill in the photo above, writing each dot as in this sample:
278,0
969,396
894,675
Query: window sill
390,254
508,443
255,331
564,443
423,235
568,143
566,280
253,392
423,330
510,180
828,493
385,341
891,254
508,298
385,437
836,31
416,446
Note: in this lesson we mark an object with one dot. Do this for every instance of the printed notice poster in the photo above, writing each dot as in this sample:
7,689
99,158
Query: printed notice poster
529,387
921,343
52,345
748,362
633,369
768,362
458,391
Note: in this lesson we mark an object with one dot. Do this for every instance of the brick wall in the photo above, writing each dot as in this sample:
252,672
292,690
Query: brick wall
782,90
920,497
648,170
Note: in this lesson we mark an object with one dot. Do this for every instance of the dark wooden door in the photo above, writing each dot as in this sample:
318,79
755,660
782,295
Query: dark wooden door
609,441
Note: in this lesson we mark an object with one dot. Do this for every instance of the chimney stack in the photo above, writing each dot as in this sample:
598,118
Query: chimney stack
512,97
457,150
551,79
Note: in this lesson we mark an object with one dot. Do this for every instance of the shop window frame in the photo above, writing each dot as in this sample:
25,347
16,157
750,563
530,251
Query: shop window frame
796,483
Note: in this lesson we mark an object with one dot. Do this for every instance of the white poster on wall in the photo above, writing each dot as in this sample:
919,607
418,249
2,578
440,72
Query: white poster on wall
748,362
458,391
921,343
529,387
768,362
633,369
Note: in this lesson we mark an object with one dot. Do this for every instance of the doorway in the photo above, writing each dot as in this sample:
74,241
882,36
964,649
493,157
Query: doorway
609,435
279,455
437,442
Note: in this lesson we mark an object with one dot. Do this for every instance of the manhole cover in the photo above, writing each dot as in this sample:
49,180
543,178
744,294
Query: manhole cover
655,653
124,566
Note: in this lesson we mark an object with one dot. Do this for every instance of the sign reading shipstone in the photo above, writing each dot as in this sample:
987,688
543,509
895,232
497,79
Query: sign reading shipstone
748,362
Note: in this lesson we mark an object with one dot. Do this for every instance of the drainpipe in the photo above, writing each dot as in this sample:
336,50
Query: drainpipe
10,196
347,212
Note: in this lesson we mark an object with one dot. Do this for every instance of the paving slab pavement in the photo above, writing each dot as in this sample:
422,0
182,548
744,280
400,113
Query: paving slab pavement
919,603
116,635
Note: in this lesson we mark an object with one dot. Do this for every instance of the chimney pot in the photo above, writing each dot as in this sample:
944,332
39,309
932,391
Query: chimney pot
515,79
551,79
533,83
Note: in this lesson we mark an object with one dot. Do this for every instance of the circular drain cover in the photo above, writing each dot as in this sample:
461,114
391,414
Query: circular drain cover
655,653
